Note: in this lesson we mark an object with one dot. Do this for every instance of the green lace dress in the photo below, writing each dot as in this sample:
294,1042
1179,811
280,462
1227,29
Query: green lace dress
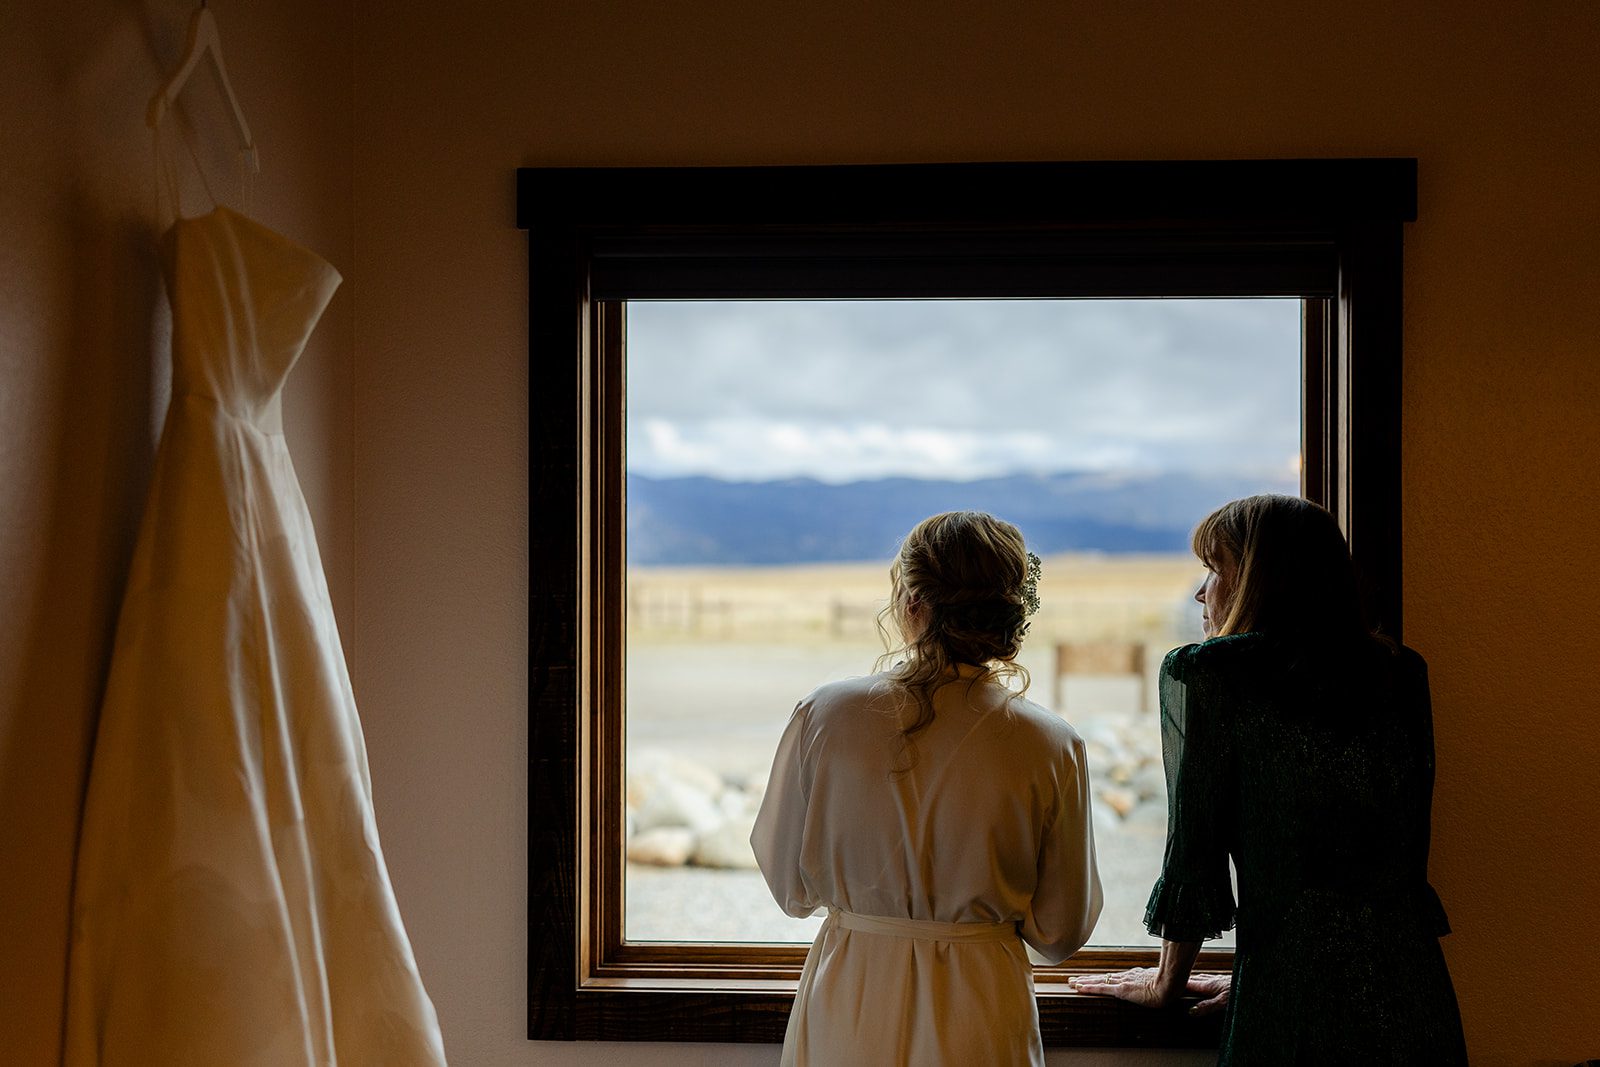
1313,768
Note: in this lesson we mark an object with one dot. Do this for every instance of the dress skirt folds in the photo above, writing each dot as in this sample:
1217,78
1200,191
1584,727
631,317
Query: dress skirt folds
232,905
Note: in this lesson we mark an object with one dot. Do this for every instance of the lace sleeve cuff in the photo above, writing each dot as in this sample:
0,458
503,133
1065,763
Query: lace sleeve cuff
1189,911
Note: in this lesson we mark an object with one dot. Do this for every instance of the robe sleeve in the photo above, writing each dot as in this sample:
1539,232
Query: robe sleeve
780,823
1067,901
1193,898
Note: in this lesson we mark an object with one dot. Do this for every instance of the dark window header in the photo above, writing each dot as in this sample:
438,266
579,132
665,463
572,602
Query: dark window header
988,194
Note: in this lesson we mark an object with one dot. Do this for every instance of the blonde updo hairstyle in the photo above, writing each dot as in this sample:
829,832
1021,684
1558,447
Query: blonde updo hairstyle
960,577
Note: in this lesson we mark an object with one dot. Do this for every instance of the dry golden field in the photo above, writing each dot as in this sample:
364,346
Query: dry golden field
717,658
1084,597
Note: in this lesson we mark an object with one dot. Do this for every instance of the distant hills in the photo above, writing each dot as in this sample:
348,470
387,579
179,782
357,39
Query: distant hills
701,520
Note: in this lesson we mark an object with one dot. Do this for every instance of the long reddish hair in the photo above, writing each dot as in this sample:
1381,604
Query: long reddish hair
1294,573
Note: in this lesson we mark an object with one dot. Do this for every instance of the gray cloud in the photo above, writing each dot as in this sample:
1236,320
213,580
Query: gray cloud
847,389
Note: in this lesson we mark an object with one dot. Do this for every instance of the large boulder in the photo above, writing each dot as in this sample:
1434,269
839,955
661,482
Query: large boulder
670,802
727,846
732,803
669,790
647,766
1148,819
1150,782
1119,800
1105,820
665,846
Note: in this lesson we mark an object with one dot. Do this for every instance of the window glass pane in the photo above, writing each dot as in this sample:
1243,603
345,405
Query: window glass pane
778,450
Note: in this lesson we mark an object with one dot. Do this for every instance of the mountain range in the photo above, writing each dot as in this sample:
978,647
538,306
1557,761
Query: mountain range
702,520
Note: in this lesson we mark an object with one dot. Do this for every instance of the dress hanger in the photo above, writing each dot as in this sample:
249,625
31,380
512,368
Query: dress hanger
204,40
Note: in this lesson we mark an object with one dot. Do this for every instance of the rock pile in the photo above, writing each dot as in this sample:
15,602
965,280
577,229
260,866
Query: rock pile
1127,779
681,812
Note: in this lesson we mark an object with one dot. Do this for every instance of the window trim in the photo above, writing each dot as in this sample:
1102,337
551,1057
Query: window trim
1327,230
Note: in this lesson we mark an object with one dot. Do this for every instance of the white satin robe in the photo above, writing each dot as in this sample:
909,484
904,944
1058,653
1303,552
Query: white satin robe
989,825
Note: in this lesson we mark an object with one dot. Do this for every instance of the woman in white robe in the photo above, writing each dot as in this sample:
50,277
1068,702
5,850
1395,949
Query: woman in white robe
942,819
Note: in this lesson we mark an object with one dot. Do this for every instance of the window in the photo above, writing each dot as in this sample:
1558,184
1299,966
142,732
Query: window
1324,234
777,450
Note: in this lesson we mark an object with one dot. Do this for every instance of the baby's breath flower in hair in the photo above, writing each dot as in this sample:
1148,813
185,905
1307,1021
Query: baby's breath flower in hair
1030,585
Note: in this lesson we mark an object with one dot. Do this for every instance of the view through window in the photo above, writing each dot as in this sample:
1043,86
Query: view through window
778,450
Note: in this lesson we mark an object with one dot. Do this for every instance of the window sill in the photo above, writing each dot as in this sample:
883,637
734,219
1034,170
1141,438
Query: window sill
634,1009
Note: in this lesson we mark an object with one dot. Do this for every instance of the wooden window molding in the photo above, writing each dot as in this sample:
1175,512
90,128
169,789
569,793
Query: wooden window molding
1326,231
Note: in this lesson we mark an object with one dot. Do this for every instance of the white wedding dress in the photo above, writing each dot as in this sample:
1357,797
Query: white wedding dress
231,905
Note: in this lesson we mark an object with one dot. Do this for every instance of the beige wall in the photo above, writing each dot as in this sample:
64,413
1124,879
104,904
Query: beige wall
1497,100
83,383
408,413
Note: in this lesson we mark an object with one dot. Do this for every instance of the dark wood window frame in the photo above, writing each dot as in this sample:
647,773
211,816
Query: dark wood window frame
1327,231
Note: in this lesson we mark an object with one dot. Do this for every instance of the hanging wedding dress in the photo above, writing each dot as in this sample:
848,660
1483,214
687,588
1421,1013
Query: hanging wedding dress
231,904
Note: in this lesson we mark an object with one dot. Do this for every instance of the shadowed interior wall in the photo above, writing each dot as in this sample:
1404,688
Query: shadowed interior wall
407,415
84,367
1498,101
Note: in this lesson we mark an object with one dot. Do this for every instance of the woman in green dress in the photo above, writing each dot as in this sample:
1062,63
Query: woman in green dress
1301,744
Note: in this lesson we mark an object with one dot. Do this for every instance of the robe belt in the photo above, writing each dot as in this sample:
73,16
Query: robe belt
923,929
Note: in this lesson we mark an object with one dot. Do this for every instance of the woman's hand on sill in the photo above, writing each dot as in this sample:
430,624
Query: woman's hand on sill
1138,985
1214,990
1147,987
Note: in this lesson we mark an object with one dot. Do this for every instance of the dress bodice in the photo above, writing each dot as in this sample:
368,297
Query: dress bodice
244,301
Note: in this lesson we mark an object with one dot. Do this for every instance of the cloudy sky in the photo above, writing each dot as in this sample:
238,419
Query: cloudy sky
846,390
